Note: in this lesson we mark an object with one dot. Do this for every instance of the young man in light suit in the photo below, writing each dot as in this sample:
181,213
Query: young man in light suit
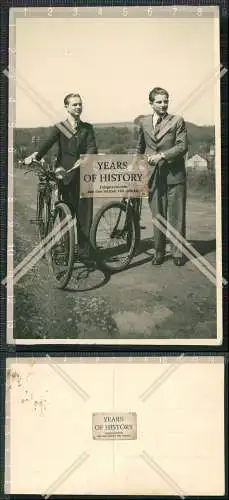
163,137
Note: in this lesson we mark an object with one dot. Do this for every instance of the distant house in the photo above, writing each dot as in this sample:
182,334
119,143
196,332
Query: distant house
53,161
212,150
196,162
36,139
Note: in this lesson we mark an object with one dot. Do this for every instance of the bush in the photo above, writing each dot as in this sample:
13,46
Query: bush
201,183
118,149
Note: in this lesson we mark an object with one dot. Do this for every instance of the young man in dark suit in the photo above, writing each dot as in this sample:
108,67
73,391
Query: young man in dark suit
163,137
74,137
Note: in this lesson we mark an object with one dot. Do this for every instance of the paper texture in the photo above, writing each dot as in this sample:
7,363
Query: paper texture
179,448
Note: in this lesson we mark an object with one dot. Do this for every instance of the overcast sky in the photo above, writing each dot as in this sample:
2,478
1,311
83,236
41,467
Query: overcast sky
113,63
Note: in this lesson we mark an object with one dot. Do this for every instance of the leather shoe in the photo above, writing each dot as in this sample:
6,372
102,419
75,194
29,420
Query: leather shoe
178,261
157,260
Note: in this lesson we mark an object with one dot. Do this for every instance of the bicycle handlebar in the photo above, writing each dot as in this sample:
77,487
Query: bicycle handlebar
61,171
30,168
36,167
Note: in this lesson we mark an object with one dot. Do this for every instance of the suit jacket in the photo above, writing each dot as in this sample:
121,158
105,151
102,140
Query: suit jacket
70,145
171,140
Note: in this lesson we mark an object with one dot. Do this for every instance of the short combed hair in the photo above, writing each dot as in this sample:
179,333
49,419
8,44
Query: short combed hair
69,96
156,91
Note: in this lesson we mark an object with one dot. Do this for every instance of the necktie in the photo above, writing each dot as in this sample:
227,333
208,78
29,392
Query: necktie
157,126
75,127
72,128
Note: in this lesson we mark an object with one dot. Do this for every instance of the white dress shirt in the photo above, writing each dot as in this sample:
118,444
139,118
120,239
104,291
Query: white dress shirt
154,121
156,117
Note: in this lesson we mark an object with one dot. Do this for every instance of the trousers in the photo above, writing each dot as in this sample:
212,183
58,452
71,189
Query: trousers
81,207
170,202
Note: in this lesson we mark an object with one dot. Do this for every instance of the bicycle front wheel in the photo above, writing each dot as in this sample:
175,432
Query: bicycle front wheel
62,241
42,215
113,235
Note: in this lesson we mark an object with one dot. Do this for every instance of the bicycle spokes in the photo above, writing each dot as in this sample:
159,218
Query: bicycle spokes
60,250
61,255
114,233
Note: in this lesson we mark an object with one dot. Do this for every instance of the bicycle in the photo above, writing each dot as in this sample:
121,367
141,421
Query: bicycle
123,232
55,222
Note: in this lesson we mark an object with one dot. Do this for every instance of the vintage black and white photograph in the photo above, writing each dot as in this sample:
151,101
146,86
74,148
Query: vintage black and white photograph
91,263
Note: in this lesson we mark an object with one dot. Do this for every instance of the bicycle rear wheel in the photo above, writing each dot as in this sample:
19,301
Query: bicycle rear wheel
61,254
113,235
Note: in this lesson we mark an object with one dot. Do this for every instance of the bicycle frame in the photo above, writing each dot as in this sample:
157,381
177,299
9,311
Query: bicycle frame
130,206
135,208
51,209
47,185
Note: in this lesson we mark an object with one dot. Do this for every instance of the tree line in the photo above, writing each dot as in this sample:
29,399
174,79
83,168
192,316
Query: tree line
118,139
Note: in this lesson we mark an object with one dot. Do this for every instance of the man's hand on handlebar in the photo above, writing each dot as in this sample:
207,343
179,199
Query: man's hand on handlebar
82,162
77,164
29,159
156,158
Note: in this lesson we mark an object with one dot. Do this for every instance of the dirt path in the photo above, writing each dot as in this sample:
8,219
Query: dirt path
165,302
